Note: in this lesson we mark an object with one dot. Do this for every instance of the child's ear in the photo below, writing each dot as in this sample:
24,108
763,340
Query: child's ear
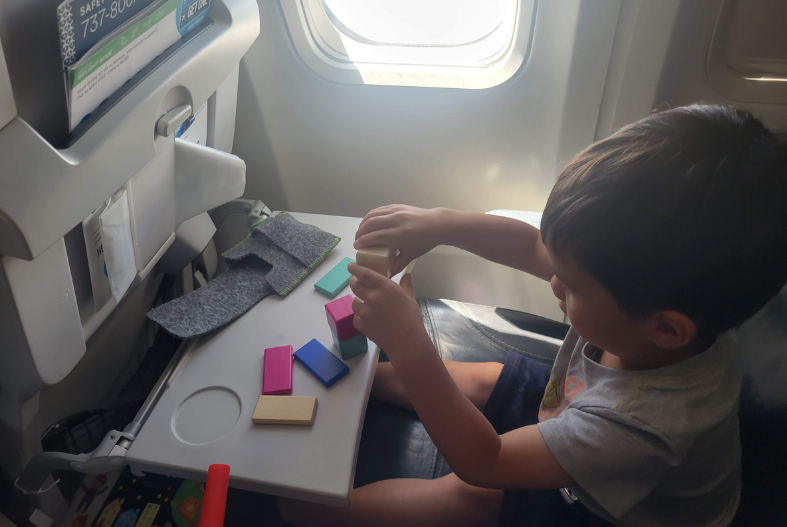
672,330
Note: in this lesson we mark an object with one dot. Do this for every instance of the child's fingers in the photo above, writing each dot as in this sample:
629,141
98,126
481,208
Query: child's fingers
381,211
359,308
385,237
370,278
378,223
407,285
360,289
401,261
358,323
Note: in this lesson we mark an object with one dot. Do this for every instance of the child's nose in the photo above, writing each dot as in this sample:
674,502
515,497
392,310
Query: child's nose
557,288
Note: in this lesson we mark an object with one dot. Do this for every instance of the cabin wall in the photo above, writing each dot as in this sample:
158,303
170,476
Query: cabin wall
659,61
318,146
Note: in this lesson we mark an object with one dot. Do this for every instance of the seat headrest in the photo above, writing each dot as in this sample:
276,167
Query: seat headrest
762,354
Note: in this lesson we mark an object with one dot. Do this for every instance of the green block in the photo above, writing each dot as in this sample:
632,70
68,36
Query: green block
335,280
352,346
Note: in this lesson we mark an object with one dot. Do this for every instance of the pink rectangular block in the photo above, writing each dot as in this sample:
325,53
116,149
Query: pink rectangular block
340,317
277,371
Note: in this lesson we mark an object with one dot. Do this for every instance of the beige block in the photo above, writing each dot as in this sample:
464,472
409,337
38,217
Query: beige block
378,259
284,410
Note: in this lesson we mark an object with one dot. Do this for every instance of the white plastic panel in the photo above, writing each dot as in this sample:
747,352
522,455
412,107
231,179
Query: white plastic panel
320,146
151,195
757,46
739,66
222,107
7,104
454,274
663,58
197,132
204,416
36,176
45,304
205,178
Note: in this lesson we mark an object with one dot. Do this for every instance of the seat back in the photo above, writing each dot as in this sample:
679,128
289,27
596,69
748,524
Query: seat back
762,355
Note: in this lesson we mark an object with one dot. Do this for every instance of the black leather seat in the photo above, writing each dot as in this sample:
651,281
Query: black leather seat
394,444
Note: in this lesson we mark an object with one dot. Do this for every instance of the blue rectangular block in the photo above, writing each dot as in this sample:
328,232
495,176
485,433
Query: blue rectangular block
334,280
321,363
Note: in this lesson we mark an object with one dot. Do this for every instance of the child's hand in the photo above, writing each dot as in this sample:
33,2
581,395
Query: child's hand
412,230
385,311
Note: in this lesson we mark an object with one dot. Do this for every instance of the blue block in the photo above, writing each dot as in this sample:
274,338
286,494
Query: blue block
335,280
321,363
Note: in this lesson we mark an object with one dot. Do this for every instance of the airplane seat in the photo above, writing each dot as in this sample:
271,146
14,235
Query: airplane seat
395,444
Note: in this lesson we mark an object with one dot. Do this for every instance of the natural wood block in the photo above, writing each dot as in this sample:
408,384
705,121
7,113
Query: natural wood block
377,258
284,410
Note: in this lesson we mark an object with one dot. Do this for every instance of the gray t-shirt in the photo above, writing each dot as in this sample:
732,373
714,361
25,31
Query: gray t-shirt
652,447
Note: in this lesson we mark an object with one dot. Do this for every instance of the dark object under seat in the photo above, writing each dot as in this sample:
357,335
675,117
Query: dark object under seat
394,443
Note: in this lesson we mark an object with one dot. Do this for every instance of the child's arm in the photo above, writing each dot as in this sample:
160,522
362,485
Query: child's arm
416,231
472,448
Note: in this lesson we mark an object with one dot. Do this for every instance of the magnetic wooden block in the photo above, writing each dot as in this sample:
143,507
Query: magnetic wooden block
321,363
277,371
340,317
352,346
334,280
379,258
283,410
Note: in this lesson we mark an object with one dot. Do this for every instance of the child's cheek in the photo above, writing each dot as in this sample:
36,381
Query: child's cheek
576,315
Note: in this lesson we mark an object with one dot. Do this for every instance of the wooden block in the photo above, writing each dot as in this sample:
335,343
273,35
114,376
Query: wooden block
277,371
334,280
321,363
284,410
340,317
352,346
380,259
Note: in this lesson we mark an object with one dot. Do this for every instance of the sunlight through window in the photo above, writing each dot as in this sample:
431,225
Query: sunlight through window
417,22
441,43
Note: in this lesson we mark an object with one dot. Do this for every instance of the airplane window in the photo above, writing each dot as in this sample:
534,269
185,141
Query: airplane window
756,46
747,58
440,43
442,23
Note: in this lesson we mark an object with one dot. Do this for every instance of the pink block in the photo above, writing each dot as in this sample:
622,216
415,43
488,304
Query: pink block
277,371
340,317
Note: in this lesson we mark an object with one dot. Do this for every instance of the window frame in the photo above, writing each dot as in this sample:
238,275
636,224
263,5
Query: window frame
731,83
306,30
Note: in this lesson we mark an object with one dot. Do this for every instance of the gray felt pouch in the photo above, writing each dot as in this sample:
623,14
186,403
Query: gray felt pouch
274,259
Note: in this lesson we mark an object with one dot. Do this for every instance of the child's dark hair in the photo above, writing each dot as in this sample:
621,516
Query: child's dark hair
684,210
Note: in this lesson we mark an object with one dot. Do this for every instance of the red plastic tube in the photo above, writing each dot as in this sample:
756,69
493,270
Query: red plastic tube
215,500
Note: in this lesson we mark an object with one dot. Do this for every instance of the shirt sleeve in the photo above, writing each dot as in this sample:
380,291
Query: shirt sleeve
617,459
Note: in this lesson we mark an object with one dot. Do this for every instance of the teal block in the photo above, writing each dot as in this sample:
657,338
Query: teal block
334,280
352,346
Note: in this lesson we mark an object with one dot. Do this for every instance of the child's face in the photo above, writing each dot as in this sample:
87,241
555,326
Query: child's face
592,310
